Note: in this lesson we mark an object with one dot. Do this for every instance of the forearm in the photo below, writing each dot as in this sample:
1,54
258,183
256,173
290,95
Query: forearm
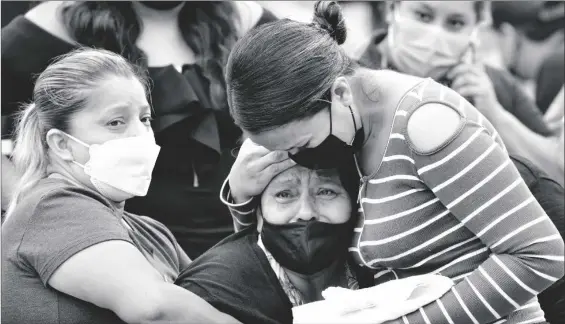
522,141
178,305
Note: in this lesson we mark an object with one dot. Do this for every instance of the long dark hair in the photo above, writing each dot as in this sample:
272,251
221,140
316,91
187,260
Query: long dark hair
282,71
208,27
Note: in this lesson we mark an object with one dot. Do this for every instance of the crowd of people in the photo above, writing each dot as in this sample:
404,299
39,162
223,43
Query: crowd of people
218,162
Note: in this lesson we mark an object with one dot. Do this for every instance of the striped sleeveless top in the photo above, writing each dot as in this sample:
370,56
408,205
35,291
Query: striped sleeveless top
461,211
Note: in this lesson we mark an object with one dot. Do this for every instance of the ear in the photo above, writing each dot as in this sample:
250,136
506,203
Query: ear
58,143
341,92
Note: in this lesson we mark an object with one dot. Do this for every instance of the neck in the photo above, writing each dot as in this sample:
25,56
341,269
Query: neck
368,97
59,171
147,14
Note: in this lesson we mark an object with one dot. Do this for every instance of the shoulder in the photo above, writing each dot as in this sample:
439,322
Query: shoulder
47,16
232,257
432,126
250,14
55,201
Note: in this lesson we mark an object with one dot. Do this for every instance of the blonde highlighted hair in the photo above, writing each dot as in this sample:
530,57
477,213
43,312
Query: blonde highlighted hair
60,91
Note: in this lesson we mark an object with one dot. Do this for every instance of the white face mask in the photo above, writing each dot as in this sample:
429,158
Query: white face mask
120,169
424,50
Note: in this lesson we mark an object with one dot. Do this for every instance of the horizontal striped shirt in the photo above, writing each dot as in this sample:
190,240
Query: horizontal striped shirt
462,211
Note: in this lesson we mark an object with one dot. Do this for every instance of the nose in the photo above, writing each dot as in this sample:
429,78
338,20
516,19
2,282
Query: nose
307,209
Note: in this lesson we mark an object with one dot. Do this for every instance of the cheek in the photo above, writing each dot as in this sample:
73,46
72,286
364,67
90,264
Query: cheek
276,213
335,211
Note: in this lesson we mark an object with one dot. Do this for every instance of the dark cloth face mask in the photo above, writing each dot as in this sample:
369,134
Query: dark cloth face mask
161,5
332,152
306,247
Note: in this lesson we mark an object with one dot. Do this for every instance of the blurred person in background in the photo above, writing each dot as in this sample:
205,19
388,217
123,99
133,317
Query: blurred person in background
438,39
182,47
530,40
359,14
70,253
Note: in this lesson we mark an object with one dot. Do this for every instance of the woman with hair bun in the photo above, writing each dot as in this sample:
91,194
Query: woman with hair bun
183,48
438,192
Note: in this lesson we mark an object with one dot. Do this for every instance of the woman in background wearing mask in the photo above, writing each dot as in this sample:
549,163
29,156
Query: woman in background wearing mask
70,254
438,193
183,48
438,39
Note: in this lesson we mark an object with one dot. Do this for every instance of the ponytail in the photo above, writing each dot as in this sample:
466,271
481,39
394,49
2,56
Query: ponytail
29,155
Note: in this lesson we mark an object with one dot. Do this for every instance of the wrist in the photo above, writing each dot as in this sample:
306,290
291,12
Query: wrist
234,196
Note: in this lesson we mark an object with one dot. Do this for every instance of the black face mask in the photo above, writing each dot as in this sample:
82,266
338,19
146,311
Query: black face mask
306,247
161,5
332,152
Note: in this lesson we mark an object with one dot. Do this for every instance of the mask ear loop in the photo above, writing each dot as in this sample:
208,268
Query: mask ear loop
354,126
80,142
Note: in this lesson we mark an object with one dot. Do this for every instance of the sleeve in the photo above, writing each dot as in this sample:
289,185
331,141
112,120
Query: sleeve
63,223
244,214
515,100
473,177
184,259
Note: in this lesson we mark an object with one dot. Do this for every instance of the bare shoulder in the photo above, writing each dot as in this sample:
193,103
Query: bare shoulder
250,13
47,16
431,126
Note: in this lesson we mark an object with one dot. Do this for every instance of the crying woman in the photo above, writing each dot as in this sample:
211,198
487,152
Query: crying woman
298,250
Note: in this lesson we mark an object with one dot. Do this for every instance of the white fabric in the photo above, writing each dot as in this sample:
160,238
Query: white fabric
120,169
374,305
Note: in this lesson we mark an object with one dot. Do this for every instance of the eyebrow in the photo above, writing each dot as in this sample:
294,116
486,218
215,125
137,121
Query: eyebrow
425,6
123,106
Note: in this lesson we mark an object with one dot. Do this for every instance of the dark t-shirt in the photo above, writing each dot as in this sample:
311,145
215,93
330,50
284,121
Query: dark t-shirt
236,278
551,197
508,92
53,222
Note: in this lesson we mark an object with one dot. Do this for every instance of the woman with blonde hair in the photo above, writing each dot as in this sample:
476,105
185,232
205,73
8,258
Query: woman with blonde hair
70,253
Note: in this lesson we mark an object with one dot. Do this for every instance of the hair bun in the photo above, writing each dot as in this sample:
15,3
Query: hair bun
328,16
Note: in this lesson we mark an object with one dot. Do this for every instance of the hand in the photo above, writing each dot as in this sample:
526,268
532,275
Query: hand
254,168
473,83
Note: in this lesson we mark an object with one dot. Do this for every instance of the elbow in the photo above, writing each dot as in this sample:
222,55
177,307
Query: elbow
141,309
552,258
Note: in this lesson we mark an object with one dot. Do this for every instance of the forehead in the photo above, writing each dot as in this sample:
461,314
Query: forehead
299,174
117,91
444,7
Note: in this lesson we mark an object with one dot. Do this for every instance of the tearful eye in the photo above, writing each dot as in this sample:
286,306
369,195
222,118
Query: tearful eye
283,195
327,193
